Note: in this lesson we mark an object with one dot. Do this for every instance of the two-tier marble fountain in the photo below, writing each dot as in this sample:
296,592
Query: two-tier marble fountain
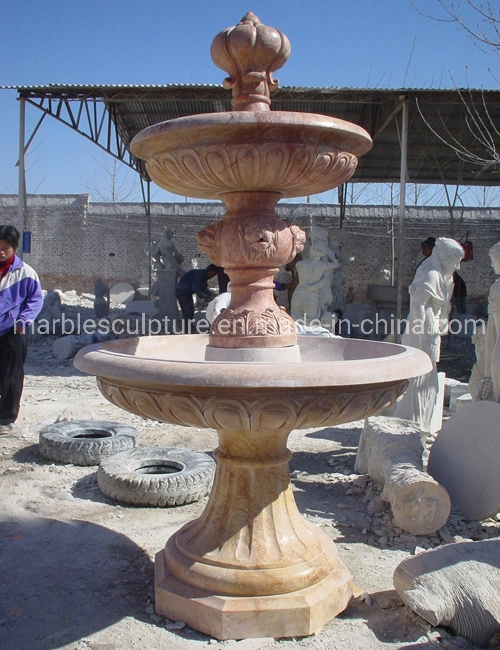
251,565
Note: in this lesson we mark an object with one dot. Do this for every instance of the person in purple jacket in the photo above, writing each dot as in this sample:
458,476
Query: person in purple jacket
20,303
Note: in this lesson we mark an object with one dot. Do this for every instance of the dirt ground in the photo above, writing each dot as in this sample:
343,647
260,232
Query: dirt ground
77,569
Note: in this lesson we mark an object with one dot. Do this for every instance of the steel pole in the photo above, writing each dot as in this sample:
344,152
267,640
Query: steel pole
402,210
21,194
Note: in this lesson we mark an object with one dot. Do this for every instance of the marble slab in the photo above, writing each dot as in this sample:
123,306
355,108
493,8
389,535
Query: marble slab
465,458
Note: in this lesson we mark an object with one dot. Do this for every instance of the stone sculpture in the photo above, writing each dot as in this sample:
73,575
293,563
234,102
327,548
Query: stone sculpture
478,373
313,295
485,377
101,299
168,262
455,586
195,261
49,319
391,453
465,456
338,281
166,255
430,295
219,303
149,266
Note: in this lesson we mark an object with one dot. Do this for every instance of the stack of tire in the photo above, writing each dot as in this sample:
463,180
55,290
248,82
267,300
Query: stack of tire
127,473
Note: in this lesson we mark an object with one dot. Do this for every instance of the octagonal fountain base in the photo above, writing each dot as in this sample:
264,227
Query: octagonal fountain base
251,565
300,613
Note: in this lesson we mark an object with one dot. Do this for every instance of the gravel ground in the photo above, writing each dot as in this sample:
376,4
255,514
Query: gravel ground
77,568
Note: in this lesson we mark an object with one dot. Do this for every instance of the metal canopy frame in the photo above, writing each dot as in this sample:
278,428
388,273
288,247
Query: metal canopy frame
110,116
412,130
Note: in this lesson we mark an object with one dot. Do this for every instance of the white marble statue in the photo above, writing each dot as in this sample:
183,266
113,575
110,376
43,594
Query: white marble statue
479,386
219,303
313,296
319,241
166,255
338,280
485,378
148,263
430,295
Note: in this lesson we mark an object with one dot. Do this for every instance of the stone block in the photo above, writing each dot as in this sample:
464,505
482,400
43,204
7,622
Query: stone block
457,391
465,458
122,292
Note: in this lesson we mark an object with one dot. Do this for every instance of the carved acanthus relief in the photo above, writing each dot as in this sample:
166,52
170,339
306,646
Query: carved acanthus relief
318,408
217,169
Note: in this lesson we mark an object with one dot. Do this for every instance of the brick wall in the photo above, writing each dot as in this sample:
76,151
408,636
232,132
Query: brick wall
74,242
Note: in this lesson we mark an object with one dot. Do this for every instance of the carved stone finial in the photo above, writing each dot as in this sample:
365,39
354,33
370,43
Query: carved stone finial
250,52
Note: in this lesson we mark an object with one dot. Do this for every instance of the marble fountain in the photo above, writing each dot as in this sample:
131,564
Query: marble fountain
251,565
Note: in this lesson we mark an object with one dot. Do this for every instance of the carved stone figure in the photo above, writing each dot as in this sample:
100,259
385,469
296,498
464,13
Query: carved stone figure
148,262
166,255
338,280
101,299
479,385
219,303
430,295
455,586
49,318
313,295
319,241
485,377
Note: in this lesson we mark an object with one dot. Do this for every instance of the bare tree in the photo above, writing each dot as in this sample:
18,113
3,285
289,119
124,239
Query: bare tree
479,145
485,133
484,196
112,182
483,25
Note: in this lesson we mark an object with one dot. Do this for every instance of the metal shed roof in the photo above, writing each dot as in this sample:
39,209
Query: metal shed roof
112,115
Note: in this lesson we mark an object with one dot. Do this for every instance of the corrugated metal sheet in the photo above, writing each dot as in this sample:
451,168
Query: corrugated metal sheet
467,117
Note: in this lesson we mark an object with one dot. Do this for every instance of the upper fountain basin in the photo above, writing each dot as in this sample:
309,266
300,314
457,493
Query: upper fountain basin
293,154
179,360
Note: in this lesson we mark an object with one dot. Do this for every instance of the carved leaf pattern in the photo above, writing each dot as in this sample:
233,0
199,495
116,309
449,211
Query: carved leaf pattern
271,322
267,166
232,414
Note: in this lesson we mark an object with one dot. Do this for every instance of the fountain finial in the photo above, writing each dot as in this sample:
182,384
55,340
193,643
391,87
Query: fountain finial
250,52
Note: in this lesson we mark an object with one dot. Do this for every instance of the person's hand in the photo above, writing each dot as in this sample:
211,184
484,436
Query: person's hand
19,328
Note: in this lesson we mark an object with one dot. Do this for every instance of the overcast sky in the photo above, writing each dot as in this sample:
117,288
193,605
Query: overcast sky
354,43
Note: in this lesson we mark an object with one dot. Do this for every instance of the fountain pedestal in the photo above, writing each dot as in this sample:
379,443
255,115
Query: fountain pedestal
251,565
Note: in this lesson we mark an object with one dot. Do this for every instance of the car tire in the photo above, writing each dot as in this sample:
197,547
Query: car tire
85,442
156,476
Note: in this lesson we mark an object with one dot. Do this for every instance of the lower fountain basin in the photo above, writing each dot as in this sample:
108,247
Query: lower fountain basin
166,378
251,565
